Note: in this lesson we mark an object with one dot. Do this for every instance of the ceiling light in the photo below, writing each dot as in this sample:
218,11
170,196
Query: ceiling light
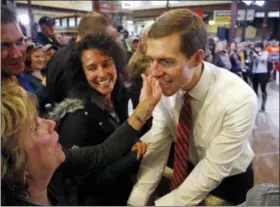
260,3
24,19
248,2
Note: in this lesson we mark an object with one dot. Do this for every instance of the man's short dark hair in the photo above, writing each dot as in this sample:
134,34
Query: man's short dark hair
7,15
184,22
93,23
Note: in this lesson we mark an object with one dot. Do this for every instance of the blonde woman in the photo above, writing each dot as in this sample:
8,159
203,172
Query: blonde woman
138,64
34,165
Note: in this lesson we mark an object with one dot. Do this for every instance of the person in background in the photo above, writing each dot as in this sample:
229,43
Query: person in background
97,102
13,55
221,58
134,43
46,36
49,51
58,83
35,73
138,65
260,73
209,111
35,168
235,59
35,63
208,56
60,38
123,36
246,72
13,49
274,58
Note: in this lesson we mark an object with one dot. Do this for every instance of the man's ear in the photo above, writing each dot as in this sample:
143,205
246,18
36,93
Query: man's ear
198,58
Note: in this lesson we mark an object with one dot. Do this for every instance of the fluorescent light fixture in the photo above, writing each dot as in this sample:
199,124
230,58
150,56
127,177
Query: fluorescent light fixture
274,14
129,22
24,19
259,14
248,2
211,22
259,3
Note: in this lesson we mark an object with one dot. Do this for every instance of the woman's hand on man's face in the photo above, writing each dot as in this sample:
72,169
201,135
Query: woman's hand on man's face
151,90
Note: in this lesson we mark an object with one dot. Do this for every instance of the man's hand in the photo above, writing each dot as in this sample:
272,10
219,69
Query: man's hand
140,148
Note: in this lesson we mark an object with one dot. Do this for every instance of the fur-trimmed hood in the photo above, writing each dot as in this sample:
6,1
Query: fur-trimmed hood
66,106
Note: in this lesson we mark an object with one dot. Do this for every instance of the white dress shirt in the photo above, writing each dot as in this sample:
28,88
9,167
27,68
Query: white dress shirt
224,111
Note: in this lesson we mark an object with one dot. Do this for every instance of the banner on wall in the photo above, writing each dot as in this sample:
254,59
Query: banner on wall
224,16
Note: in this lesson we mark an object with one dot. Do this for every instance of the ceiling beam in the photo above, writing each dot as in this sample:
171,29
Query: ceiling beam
49,8
270,5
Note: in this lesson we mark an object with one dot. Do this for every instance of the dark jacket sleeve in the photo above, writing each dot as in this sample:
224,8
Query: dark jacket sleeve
104,177
57,66
74,130
88,159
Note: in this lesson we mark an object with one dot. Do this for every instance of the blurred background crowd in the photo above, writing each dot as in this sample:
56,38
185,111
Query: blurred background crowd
61,63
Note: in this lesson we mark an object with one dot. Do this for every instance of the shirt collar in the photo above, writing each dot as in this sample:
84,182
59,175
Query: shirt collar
199,91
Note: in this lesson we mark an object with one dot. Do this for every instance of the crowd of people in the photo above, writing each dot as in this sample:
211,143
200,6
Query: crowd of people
255,62
67,136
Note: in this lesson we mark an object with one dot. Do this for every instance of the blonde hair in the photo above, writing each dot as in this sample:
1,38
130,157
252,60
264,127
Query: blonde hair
16,108
139,62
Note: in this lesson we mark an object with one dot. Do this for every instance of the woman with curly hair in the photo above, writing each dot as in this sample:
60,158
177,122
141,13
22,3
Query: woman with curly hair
34,165
95,108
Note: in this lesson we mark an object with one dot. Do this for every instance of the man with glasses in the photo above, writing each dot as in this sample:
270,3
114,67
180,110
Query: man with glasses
13,55
13,49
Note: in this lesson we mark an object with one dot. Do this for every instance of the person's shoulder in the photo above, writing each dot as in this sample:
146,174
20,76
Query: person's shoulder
69,105
62,55
65,49
41,39
228,84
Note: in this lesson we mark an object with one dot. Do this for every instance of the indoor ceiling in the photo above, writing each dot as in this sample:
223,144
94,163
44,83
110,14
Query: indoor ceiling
131,5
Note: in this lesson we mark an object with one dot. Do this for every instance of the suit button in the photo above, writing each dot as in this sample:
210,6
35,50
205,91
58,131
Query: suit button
86,113
100,123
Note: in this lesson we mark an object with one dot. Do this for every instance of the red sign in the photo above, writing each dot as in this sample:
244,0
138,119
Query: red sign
199,13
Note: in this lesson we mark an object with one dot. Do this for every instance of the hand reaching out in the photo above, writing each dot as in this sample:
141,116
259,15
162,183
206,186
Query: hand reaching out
140,148
151,90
